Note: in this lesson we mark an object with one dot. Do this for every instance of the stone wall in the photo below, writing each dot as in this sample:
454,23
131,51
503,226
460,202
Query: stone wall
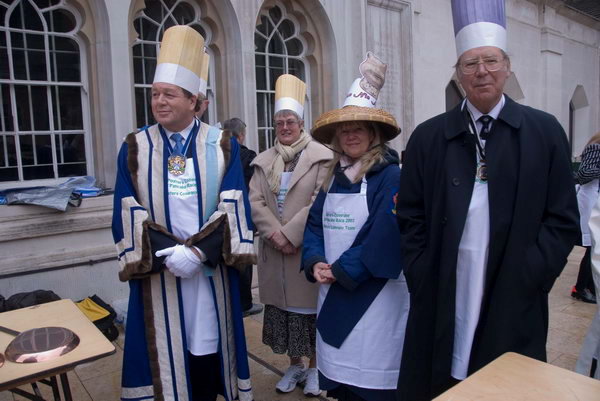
555,59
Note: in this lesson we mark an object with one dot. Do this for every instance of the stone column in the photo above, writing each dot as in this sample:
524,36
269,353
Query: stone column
551,50
121,36
389,35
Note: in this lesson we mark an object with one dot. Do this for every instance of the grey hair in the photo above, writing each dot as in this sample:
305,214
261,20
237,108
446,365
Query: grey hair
235,125
199,99
287,112
505,56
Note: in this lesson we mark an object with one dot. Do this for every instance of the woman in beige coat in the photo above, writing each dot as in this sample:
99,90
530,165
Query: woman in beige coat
286,179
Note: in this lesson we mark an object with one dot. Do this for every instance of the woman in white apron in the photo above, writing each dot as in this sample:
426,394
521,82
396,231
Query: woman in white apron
588,177
350,248
589,356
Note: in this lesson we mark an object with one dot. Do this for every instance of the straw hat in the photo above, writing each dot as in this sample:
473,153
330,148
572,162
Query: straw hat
324,128
359,104
180,58
290,92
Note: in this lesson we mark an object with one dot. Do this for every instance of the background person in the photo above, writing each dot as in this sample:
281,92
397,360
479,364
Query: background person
286,180
238,129
589,356
488,216
587,177
203,102
350,248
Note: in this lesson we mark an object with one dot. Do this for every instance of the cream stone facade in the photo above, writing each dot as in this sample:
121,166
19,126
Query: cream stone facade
554,53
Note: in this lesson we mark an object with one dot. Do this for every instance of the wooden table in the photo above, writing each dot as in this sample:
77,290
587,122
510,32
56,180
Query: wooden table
64,313
515,377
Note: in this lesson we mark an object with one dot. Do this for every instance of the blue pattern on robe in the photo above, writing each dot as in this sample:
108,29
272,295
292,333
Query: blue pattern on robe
137,381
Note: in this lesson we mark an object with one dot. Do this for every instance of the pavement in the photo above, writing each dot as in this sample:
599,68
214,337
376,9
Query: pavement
569,321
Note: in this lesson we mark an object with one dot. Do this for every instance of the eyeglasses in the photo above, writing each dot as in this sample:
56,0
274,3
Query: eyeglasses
491,64
289,123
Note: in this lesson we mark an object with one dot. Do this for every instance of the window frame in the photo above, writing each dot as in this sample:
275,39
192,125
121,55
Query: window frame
50,85
210,90
268,131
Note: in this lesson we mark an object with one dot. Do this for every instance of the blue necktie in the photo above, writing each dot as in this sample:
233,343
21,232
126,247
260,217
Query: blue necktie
178,148
486,121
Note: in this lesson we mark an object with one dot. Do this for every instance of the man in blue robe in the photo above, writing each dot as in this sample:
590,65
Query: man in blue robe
181,220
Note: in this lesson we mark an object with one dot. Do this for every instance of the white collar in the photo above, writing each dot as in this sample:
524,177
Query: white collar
494,113
184,132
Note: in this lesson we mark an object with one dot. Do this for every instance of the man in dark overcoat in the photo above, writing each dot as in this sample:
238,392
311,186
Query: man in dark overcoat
488,214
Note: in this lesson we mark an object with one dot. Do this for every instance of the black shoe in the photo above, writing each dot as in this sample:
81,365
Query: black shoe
254,309
585,295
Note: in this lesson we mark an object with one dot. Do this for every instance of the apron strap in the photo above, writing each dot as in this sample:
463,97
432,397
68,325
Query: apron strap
363,186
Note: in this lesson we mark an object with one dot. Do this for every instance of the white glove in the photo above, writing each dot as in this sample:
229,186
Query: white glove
181,261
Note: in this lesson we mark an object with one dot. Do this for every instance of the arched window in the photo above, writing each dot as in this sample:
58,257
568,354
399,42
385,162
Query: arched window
150,25
453,95
512,88
44,111
278,50
579,121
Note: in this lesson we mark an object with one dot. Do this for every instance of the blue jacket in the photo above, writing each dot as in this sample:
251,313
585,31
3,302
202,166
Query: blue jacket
368,257
374,257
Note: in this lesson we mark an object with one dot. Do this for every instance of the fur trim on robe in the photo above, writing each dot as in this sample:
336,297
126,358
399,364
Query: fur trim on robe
155,357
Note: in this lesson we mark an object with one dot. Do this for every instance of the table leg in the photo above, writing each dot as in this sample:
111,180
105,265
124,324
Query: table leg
66,389
36,389
65,385
25,394
54,385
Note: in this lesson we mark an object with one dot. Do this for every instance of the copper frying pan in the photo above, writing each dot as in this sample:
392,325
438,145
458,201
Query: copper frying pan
39,344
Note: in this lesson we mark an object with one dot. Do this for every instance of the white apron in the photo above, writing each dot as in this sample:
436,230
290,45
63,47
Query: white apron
586,199
200,315
370,355
590,349
471,265
283,190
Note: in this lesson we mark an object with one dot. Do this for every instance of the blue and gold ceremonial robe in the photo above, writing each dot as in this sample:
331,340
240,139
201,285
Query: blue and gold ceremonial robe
155,355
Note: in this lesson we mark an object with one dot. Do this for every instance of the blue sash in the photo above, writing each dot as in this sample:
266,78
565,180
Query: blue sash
342,309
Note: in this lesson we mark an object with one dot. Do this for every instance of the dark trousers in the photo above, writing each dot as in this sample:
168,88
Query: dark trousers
246,287
343,393
584,277
205,375
347,392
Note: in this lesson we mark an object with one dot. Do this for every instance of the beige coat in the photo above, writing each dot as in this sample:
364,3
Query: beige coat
281,283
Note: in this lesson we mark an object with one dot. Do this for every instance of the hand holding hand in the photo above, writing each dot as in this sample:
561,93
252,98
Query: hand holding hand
279,240
289,249
322,273
181,261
